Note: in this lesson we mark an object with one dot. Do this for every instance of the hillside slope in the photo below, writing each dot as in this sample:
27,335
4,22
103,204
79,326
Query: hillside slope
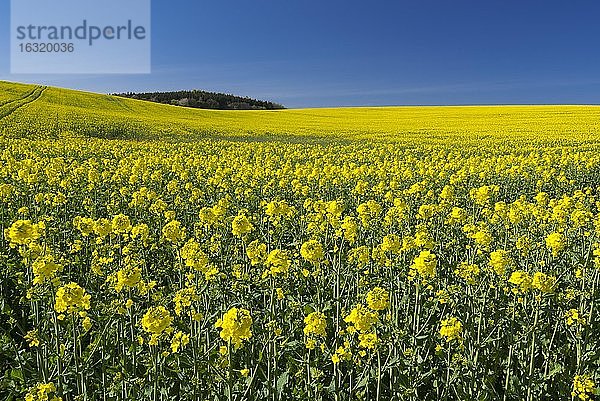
52,112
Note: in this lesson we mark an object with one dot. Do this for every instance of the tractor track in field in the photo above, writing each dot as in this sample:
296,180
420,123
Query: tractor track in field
10,107
26,95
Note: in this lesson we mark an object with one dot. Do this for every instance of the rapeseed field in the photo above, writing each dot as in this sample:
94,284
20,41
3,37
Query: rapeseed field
402,253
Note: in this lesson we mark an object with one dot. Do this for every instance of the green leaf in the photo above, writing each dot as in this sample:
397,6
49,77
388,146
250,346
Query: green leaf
364,381
16,374
308,309
282,381
556,368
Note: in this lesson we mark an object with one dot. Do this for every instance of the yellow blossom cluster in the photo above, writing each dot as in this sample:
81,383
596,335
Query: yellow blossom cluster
235,326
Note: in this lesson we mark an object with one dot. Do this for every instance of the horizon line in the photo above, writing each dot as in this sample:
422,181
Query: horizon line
329,106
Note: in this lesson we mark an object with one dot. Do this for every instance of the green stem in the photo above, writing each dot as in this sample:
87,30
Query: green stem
532,351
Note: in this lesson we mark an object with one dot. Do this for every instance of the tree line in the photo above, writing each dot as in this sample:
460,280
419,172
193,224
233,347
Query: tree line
204,100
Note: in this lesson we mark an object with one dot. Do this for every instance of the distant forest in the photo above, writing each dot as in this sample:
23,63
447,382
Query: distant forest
204,100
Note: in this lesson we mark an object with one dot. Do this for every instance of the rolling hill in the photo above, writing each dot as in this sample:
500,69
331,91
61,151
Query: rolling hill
47,112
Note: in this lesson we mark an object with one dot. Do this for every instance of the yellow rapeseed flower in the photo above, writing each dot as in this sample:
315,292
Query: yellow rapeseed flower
278,262
23,232
241,226
521,280
71,298
362,318
235,326
312,251
583,387
179,340
544,282
174,232
423,265
315,324
42,392
378,299
156,320
556,242
451,329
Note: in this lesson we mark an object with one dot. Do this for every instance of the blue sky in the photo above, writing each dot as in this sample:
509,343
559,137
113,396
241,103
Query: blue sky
306,53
